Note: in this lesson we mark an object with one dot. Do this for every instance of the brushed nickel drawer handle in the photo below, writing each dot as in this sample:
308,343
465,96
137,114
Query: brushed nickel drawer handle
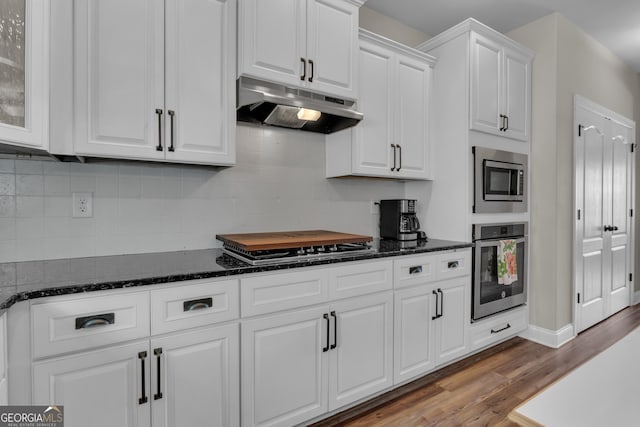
95,320
197,304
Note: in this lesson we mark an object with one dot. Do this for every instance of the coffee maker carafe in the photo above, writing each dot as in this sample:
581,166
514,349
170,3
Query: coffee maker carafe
398,219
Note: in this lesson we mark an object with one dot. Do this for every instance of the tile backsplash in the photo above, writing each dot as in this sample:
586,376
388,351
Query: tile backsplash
277,184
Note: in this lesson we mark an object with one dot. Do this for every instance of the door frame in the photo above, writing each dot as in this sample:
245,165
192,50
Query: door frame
582,102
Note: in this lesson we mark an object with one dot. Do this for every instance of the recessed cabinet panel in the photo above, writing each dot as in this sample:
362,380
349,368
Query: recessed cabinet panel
332,46
99,389
119,65
412,117
284,369
362,361
272,39
200,371
485,84
372,149
200,92
517,102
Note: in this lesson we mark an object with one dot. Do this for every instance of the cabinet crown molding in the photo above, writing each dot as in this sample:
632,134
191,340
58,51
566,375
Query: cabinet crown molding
476,26
396,46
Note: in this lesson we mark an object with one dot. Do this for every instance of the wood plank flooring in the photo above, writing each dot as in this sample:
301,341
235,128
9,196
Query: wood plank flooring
482,389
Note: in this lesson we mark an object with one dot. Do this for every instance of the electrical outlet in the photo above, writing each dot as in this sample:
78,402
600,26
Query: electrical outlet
82,205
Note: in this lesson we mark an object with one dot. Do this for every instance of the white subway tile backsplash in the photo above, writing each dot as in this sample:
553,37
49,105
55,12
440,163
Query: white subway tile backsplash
7,184
30,185
57,185
7,206
278,184
28,167
29,207
7,166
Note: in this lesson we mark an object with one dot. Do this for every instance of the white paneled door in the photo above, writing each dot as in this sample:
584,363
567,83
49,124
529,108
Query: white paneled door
604,195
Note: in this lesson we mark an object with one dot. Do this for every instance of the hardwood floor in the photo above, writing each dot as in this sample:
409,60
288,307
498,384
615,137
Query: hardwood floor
482,389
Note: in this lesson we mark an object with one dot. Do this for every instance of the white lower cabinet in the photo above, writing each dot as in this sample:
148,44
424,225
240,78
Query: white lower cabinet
101,388
188,379
299,365
194,378
4,386
431,326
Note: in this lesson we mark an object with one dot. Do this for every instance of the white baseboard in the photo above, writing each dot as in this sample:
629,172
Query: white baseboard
636,298
553,339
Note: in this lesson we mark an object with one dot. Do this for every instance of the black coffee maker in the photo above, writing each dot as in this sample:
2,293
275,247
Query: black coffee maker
398,220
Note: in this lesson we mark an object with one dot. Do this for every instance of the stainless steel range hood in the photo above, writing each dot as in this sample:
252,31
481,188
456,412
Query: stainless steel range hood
278,105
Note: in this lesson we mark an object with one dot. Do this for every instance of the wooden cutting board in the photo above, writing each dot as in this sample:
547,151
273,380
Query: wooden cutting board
290,239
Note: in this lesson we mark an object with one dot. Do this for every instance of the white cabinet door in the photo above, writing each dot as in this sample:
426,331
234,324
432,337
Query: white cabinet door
195,378
332,47
24,85
4,386
414,339
372,138
101,388
284,369
361,353
272,40
486,80
500,89
517,89
451,328
413,83
200,81
119,78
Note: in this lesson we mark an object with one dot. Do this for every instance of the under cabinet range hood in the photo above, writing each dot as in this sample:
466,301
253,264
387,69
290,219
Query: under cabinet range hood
278,105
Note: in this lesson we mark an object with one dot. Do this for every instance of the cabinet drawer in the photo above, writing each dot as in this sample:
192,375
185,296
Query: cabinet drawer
275,292
414,270
192,304
360,279
497,328
453,264
80,324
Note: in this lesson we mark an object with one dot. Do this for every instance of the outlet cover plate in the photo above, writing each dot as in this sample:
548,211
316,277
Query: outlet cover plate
82,205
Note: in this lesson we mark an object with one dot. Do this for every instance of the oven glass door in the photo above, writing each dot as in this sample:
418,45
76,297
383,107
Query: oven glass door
489,297
501,181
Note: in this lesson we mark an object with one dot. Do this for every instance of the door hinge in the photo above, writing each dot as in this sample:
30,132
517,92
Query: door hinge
631,277
578,297
633,147
631,212
580,130
578,214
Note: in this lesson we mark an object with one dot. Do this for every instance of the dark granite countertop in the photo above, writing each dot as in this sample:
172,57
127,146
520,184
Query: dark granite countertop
21,281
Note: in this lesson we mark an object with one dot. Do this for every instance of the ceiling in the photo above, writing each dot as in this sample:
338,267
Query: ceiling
615,23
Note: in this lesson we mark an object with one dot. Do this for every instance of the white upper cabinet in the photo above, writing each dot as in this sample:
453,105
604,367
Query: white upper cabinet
154,80
24,75
392,140
311,44
500,88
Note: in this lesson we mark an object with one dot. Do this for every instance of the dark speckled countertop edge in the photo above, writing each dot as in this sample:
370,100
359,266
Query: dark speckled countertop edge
225,267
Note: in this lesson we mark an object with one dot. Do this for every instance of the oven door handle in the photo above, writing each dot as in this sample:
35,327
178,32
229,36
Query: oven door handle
494,242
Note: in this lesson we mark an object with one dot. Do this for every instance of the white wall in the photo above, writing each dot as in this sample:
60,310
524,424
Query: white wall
581,66
390,28
277,184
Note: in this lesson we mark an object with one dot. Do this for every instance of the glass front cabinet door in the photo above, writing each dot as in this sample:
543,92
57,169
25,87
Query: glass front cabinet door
24,73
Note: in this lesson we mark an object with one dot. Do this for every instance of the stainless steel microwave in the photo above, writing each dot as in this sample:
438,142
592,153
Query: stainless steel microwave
500,181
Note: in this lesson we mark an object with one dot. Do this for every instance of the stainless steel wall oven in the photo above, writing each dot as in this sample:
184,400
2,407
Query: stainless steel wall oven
490,296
